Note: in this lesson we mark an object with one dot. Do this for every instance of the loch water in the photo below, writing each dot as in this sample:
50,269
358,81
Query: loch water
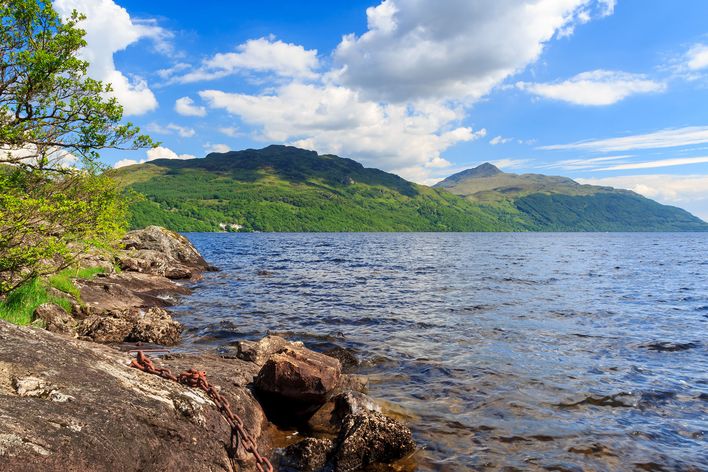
514,351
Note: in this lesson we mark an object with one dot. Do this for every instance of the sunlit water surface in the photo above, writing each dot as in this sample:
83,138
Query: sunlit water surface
501,351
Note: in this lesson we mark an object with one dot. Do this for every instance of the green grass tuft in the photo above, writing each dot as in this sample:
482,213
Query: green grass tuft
19,305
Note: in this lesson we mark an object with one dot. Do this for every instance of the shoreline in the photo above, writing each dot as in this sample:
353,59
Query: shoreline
343,429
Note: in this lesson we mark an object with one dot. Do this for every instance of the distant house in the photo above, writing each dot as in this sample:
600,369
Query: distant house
230,226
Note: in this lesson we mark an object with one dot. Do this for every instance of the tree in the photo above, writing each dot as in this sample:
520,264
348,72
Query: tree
54,119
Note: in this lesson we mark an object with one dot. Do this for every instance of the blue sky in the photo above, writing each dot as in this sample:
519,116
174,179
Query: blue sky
603,91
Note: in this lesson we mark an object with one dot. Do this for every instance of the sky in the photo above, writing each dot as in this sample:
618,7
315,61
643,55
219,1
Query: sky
608,92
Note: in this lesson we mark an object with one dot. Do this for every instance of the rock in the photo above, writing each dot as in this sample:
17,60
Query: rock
258,352
55,319
299,374
345,356
329,418
308,455
353,382
126,290
368,438
119,418
155,325
158,251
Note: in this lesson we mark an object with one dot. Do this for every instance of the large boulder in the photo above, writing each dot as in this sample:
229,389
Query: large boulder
300,375
69,405
260,351
159,251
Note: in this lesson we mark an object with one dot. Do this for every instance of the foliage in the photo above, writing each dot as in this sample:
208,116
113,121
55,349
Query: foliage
20,304
51,112
54,119
45,222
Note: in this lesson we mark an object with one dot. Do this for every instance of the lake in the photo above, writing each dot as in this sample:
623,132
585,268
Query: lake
530,351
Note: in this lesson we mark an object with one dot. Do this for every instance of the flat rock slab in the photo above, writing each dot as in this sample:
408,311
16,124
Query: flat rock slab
69,405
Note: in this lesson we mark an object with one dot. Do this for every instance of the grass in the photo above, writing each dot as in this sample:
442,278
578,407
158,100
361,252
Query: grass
19,305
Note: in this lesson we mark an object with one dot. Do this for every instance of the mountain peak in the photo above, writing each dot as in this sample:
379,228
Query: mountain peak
482,170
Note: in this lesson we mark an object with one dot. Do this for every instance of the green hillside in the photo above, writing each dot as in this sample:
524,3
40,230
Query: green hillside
282,188
554,203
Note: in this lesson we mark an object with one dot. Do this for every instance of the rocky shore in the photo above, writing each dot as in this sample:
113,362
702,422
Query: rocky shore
69,399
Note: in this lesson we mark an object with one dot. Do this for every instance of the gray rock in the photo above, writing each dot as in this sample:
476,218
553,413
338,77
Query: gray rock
308,455
258,352
158,251
369,438
154,325
55,319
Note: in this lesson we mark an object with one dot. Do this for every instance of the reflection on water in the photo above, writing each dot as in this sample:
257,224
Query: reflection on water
526,351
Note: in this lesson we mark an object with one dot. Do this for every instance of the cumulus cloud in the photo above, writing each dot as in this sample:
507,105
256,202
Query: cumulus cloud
687,191
185,106
666,138
104,16
171,128
594,88
458,49
159,152
337,120
230,131
697,57
257,55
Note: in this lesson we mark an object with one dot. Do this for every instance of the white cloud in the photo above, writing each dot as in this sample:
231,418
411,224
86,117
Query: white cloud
105,16
499,140
230,131
457,49
697,57
171,128
585,164
126,162
687,191
665,138
216,148
594,88
257,55
659,163
159,152
337,120
185,107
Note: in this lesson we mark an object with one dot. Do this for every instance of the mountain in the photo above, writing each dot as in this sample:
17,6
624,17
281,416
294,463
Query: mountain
283,188
554,203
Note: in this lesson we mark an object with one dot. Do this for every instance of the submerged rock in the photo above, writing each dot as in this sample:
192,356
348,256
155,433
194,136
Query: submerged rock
308,455
370,437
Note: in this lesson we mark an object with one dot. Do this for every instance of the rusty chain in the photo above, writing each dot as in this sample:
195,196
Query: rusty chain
197,379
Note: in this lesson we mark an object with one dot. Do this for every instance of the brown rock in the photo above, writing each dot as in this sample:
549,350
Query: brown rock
156,326
299,374
55,319
69,405
109,327
369,438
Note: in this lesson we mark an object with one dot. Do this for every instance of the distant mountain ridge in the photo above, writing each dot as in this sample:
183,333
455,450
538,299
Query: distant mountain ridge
283,188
